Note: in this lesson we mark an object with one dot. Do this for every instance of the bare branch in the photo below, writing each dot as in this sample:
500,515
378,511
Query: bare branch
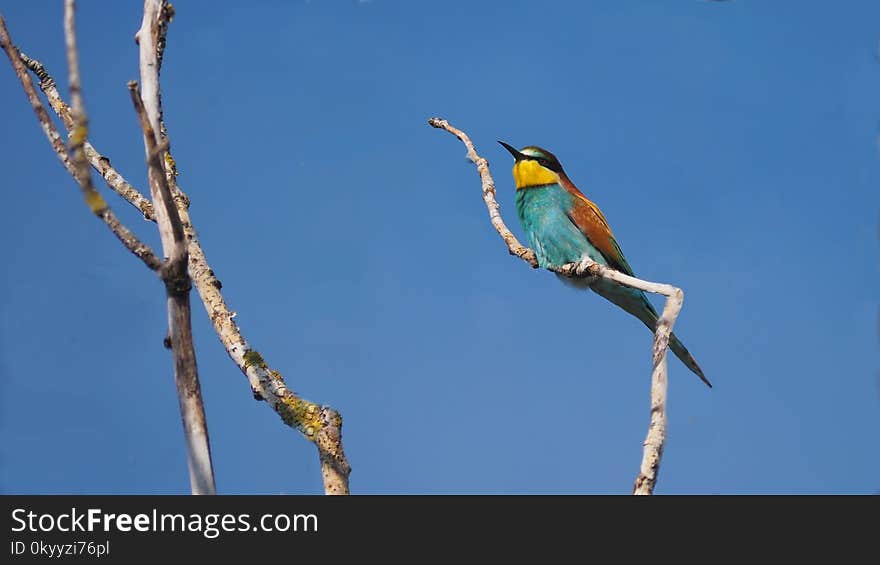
131,242
117,183
588,269
140,249
101,163
320,424
45,121
513,245
652,451
155,160
80,120
147,39
174,273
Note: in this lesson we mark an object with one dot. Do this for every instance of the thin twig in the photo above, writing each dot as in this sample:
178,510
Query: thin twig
175,274
101,163
126,236
654,441
80,119
513,245
155,160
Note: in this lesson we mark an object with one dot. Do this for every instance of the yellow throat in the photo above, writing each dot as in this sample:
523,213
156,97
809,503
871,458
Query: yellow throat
529,173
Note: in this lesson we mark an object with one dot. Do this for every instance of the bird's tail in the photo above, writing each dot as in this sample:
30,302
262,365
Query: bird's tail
636,303
682,353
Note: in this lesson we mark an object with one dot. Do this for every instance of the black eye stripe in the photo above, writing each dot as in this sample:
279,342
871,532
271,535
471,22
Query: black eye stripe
546,163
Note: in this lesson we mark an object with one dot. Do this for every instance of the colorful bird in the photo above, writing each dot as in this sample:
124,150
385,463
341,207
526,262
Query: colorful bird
564,226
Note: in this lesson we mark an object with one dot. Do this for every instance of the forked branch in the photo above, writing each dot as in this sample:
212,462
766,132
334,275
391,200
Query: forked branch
320,424
92,198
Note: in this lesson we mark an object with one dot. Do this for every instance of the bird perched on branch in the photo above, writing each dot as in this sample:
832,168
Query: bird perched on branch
564,226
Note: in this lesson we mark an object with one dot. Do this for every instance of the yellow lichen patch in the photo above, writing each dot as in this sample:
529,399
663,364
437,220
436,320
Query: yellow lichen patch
170,164
252,357
302,415
96,202
78,136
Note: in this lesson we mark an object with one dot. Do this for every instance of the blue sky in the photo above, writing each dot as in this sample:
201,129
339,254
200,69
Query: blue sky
732,146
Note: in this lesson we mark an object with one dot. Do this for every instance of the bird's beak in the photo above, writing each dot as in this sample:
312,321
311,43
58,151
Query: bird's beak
516,154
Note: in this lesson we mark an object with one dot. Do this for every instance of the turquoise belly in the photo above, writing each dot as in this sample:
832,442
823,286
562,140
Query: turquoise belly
549,231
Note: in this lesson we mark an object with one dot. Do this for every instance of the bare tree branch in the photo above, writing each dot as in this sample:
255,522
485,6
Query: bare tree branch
80,120
513,245
174,273
652,451
96,203
654,441
99,162
319,424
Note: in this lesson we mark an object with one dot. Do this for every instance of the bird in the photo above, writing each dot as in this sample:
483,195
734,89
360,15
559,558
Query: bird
563,226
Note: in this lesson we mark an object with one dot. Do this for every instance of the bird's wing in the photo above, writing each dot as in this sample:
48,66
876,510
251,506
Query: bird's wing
592,223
